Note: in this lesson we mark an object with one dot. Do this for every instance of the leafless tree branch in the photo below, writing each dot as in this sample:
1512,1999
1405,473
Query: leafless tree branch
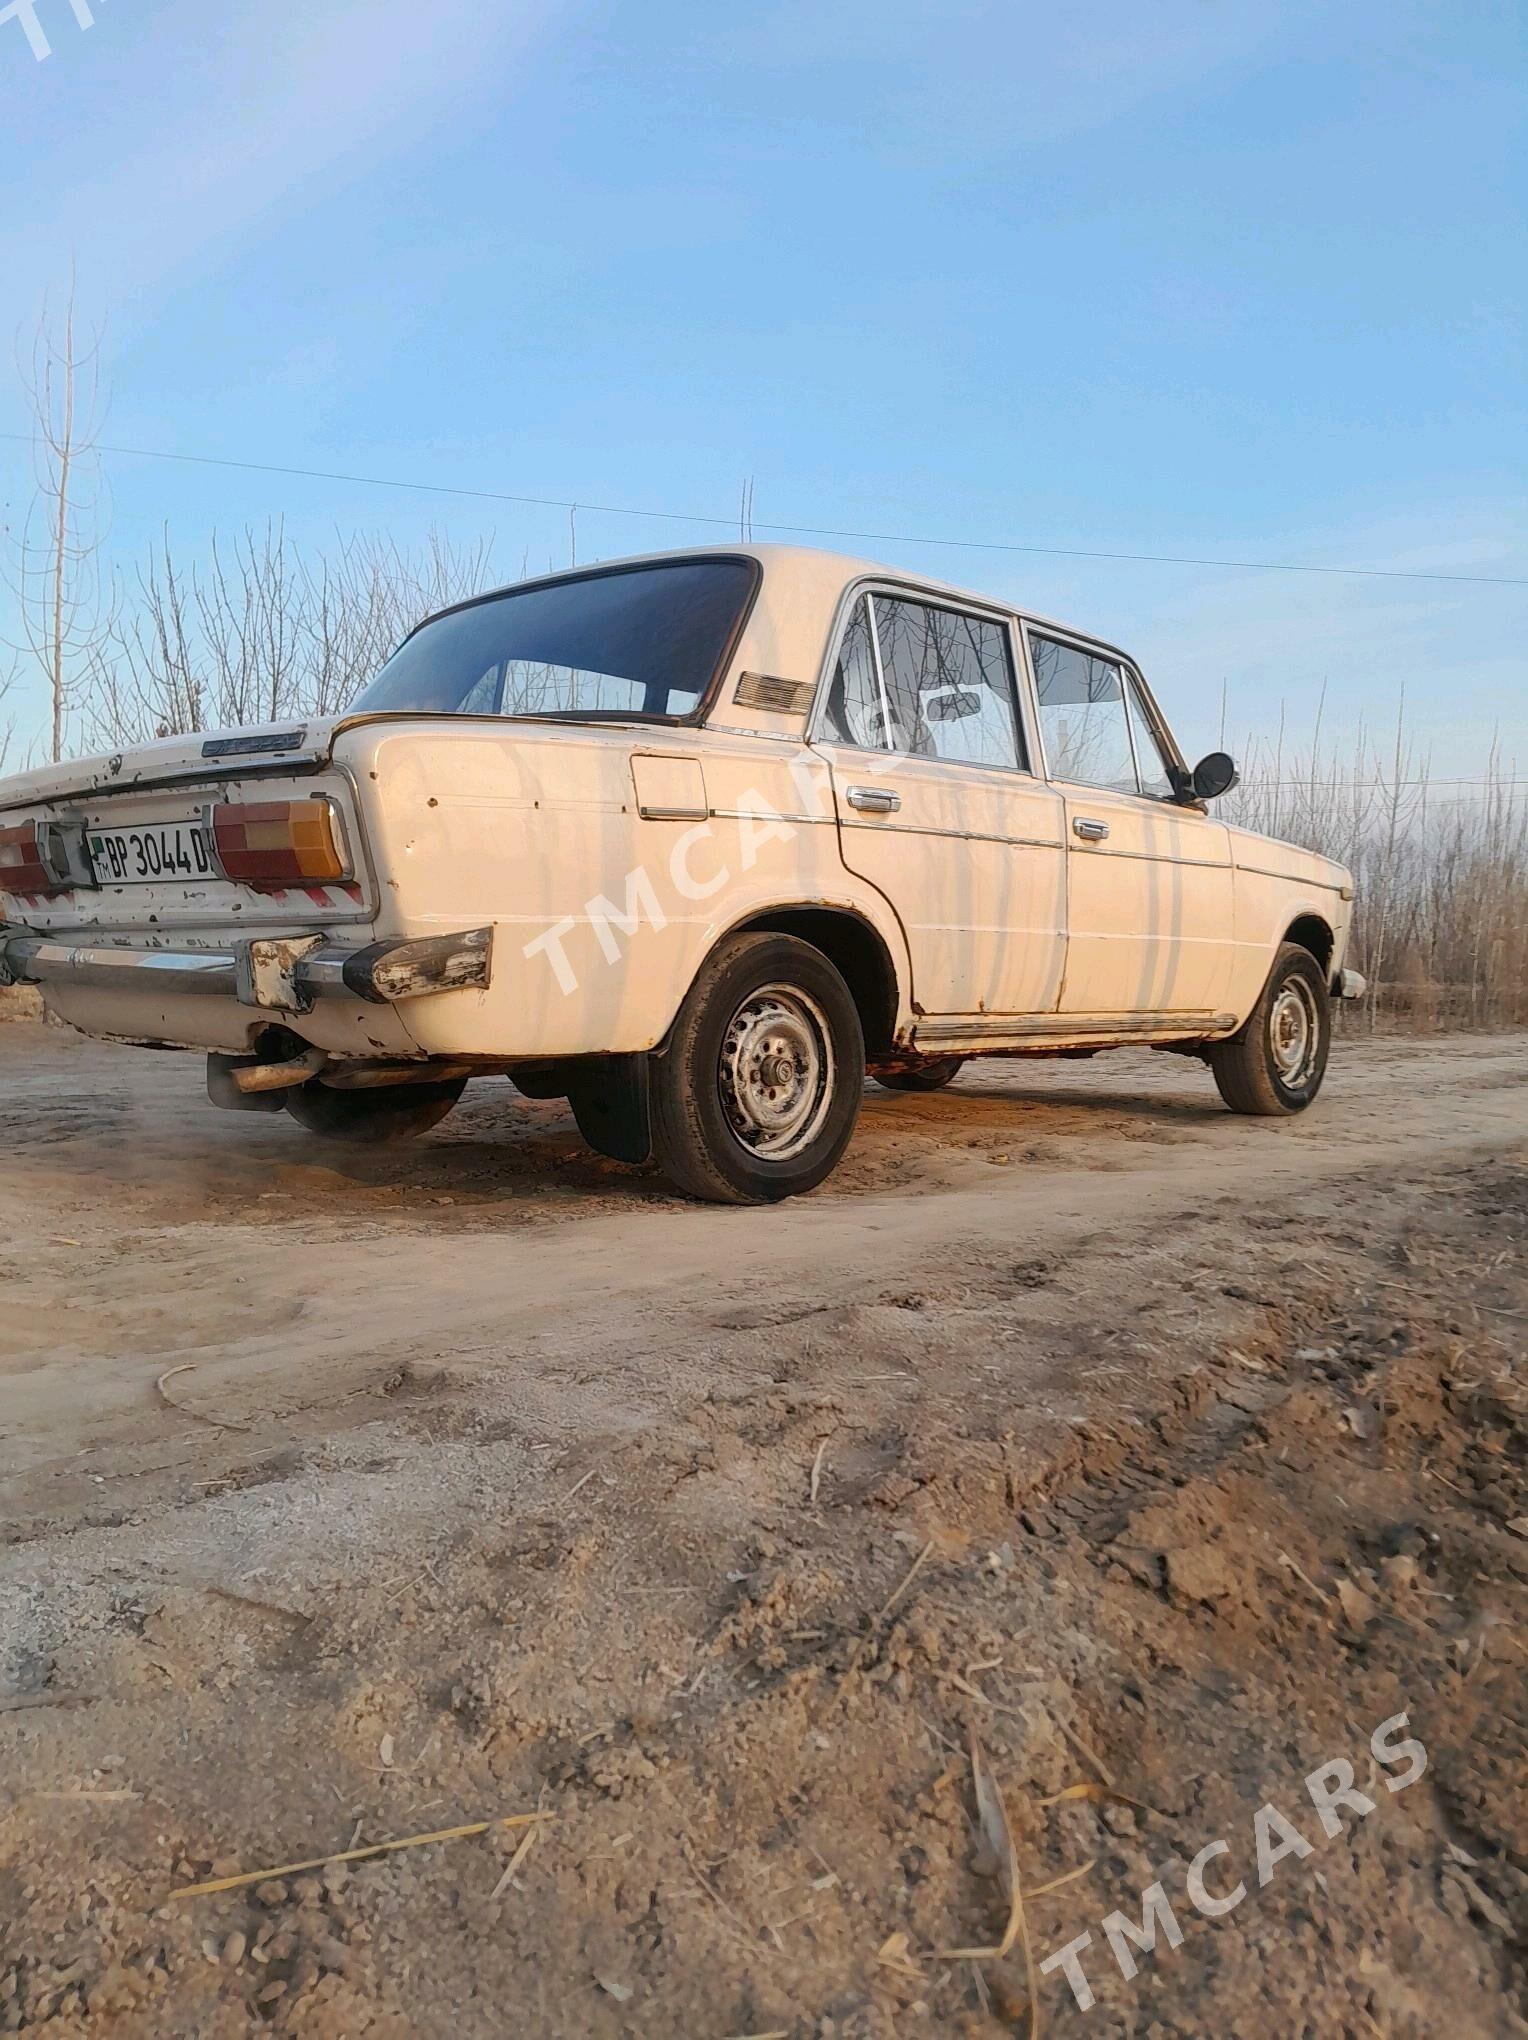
258,632
55,569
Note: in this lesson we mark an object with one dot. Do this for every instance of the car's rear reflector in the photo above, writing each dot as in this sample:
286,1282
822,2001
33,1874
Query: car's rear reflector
25,866
270,844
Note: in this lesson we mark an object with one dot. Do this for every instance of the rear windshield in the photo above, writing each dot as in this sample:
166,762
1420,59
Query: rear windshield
643,641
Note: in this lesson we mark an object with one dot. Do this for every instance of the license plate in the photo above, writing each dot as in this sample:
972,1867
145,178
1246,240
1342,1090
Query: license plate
154,853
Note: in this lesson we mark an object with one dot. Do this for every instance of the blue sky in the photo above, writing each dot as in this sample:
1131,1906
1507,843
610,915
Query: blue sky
1219,279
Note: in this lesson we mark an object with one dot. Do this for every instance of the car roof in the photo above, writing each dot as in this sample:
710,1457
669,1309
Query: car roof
778,560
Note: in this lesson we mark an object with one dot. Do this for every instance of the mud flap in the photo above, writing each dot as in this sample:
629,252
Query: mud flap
608,1095
543,1079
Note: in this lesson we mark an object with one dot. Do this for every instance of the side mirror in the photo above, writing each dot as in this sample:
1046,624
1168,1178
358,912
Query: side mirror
1213,776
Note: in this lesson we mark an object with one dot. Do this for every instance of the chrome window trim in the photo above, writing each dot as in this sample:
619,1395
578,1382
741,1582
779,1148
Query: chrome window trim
957,835
1020,627
1293,878
1135,749
1007,620
1102,849
1130,674
732,814
1166,742
880,673
1107,656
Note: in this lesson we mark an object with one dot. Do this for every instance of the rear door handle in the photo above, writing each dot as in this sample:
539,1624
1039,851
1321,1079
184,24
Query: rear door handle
1091,831
873,800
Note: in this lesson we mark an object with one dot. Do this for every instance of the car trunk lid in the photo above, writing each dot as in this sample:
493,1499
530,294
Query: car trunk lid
171,761
139,821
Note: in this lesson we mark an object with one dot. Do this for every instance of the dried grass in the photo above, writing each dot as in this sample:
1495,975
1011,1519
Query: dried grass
1097,1795
527,1842
997,1833
816,1481
184,1409
1441,869
474,1827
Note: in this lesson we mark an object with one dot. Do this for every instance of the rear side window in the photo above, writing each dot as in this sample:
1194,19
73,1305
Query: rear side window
925,681
642,641
1082,716
856,708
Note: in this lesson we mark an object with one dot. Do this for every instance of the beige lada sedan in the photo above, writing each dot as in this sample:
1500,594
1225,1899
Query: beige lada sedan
695,841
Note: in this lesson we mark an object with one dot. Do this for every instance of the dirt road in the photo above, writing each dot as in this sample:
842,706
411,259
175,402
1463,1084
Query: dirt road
486,1477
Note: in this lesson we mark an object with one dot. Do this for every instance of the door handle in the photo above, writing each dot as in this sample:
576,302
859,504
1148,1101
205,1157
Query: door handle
1088,829
873,800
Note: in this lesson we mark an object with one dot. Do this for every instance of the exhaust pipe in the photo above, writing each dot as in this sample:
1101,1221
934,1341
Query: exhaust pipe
254,1077
349,1075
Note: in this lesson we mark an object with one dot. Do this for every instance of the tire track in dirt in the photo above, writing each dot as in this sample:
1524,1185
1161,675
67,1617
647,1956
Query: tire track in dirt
1154,1530
289,1318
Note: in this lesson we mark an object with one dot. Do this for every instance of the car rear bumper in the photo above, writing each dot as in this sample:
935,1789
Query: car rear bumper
1351,984
279,974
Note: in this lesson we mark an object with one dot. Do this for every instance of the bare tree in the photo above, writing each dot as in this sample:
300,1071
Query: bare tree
7,721
258,632
56,568
1441,870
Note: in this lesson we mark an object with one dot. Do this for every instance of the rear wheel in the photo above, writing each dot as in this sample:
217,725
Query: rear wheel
1275,1064
930,1076
367,1118
757,1092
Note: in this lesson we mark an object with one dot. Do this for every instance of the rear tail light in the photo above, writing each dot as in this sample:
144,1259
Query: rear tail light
34,859
270,844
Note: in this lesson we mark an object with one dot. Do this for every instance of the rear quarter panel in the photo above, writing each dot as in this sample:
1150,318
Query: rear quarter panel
608,860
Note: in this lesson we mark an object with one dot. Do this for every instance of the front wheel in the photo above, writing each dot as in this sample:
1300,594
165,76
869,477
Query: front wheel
756,1094
368,1118
1275,1064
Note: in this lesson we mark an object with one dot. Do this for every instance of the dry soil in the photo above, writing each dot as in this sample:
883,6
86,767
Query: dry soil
343,1500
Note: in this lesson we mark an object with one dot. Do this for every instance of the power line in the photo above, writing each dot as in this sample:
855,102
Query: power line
795,530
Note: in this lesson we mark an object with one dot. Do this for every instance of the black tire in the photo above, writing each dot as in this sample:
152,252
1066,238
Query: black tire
1275,1064
768,1027
932,1076
371,1117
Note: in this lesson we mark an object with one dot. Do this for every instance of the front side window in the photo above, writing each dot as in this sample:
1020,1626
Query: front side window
640,641
941,688
1082,715
1150,762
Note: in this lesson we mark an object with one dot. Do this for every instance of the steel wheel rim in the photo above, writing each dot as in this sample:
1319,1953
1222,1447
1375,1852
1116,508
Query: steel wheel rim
1294,1034
775,1075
